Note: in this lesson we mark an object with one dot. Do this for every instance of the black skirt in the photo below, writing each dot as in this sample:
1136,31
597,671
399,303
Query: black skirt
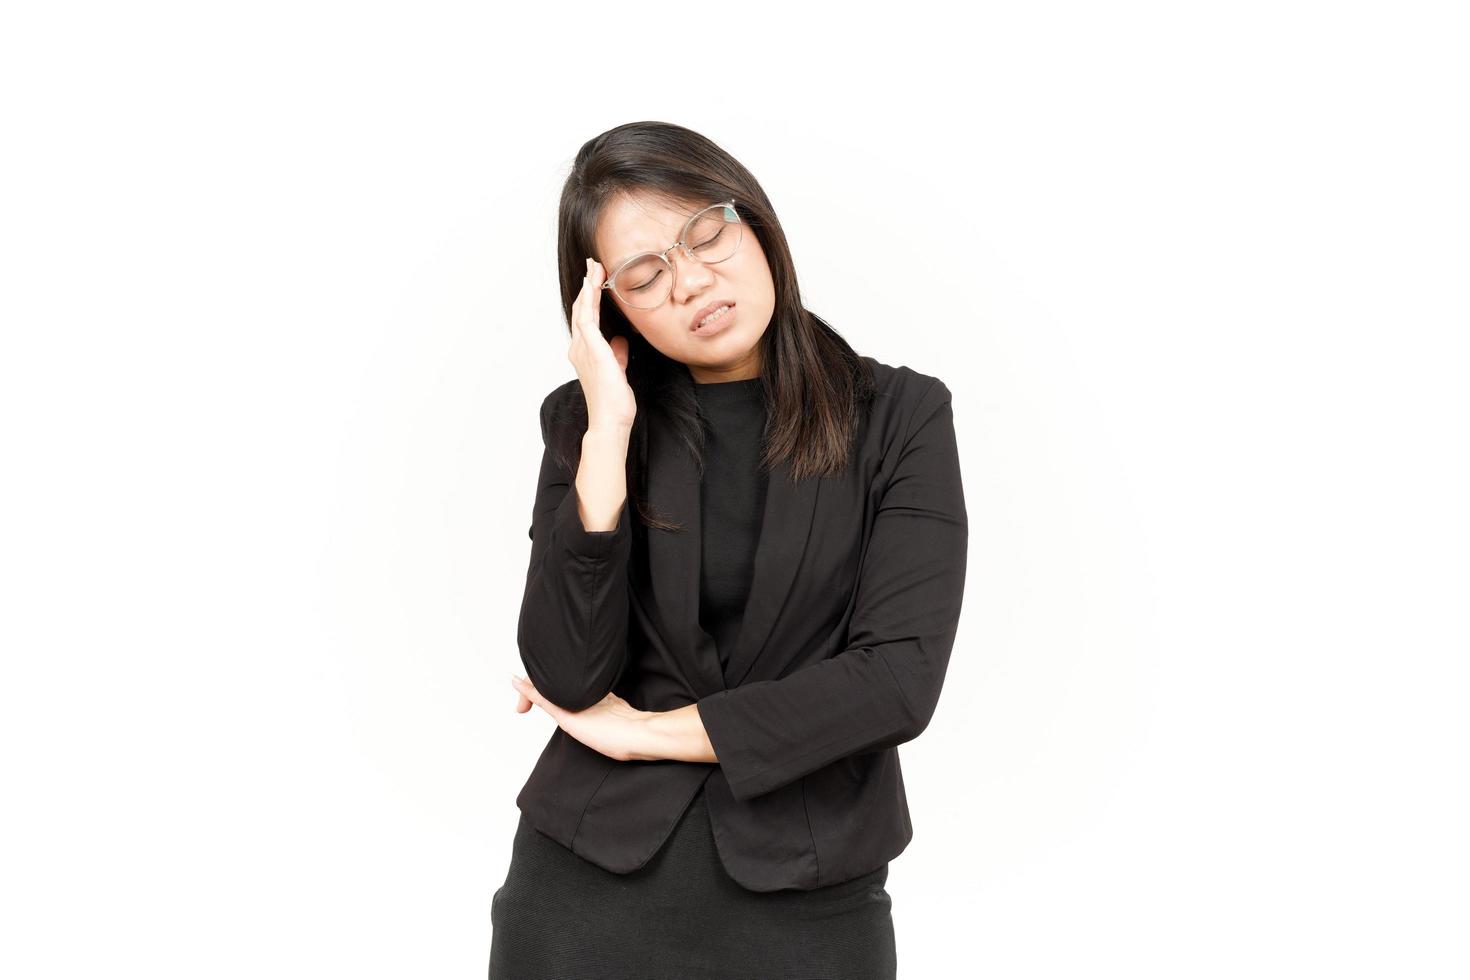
680,917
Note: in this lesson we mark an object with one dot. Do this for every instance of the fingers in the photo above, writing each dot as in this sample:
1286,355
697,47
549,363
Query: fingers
578,306
529,693
586,312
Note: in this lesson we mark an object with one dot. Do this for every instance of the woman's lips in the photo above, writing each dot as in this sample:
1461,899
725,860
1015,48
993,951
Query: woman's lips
716,325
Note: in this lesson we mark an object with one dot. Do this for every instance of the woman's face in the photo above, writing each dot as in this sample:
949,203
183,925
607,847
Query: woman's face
629,225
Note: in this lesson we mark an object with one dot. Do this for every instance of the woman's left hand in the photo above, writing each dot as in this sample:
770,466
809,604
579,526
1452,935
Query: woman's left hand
612,726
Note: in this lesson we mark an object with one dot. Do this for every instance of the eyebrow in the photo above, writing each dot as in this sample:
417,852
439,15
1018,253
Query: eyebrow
619,263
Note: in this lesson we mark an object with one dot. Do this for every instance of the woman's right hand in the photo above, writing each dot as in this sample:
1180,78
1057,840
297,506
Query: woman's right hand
602,364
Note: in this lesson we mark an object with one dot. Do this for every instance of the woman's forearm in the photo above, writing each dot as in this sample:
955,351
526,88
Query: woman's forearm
677,735
602,480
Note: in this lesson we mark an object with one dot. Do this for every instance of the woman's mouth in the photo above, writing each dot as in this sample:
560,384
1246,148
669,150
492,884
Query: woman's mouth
715,321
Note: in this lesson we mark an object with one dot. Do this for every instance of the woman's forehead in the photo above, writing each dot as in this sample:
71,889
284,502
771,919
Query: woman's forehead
630,224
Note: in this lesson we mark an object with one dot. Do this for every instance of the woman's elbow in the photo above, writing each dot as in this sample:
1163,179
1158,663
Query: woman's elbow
570,673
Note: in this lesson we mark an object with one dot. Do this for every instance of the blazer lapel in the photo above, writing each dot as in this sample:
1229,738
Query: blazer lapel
785,529
675,559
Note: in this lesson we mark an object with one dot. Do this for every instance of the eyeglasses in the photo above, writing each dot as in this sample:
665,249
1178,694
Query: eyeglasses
645,280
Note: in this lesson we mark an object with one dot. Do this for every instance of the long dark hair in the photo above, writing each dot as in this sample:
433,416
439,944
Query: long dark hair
816,386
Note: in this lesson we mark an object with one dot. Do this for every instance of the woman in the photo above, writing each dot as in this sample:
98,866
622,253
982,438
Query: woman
747,564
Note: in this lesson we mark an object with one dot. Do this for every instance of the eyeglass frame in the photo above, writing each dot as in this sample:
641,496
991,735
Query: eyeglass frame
664,255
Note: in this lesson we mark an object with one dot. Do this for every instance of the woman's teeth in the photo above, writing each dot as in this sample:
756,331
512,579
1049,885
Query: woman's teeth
717,313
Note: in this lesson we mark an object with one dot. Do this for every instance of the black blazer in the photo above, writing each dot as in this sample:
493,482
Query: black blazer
853,609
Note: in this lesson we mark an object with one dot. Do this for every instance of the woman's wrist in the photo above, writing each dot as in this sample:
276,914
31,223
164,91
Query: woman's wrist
610,432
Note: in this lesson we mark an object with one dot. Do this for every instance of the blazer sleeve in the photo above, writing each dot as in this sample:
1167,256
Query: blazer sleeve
573,625
882,690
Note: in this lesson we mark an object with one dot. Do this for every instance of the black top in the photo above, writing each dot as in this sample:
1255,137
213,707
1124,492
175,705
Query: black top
732,499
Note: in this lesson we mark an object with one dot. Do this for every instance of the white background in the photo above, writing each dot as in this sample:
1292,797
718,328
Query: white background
279,307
